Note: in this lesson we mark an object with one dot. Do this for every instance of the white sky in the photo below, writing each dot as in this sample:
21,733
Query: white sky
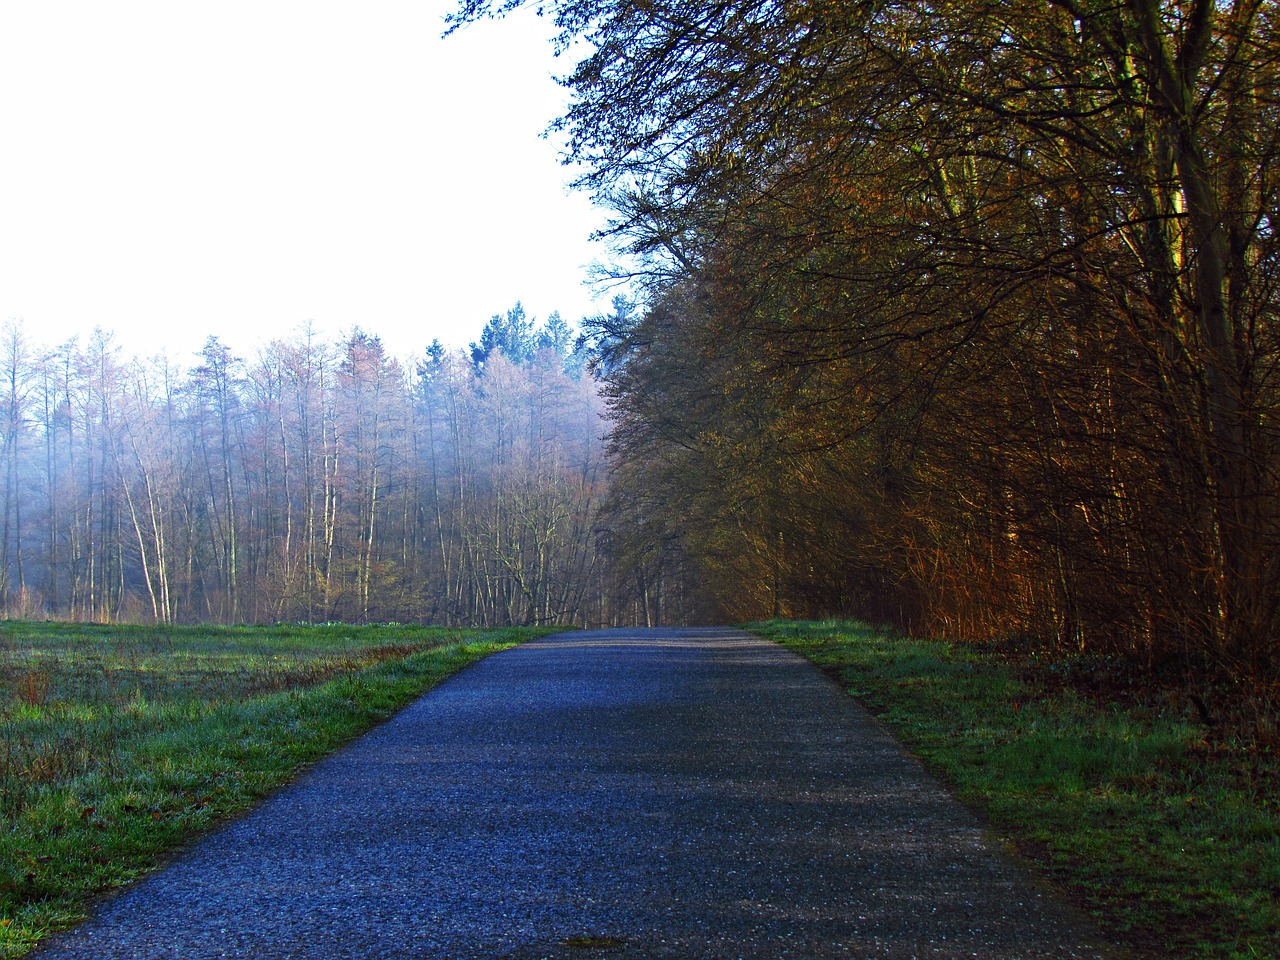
173,169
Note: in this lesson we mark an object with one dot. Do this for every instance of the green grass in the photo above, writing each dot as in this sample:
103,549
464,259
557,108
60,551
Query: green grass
1166,831
119,744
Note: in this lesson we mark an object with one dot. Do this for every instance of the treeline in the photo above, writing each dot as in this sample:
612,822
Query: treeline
315,481
962,316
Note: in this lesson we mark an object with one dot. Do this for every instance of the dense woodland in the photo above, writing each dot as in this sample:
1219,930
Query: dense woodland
962,316
315,481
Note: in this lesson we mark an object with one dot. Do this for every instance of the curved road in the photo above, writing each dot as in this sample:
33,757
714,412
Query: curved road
672,793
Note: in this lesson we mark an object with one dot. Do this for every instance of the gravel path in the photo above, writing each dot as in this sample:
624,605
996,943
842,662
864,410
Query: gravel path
615,794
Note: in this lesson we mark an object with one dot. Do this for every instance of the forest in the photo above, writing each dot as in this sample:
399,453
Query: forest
316,481
957,317
961,317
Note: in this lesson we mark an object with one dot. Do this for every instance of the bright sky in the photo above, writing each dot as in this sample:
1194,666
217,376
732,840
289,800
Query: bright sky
171,169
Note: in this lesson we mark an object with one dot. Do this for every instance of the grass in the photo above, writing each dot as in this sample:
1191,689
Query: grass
1166,830
120,744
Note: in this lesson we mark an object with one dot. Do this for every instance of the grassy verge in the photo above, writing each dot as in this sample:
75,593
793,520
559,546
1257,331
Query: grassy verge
1166,830
119,744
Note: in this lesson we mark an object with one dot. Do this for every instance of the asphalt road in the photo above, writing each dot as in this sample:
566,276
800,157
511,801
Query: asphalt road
615,794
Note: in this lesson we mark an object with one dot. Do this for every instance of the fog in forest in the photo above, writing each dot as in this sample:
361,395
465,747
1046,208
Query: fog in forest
315,480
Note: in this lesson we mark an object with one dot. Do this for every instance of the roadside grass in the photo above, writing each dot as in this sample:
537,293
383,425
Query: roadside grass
1166,830
120,743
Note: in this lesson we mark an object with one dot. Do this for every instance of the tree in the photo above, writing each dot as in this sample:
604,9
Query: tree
148,475
216,423
510,335
1009,268
13,422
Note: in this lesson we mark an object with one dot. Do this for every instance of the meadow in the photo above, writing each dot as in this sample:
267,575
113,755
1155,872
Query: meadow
1158,815
118,744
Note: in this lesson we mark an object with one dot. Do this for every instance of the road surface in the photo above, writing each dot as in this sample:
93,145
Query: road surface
674,793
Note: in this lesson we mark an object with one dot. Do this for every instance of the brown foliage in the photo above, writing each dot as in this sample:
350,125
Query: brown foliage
973,318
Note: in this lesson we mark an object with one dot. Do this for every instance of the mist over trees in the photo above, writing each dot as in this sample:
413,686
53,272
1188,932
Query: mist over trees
959,316
314,481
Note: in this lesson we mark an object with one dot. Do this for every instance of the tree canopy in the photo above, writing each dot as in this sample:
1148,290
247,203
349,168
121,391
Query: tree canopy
962,315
